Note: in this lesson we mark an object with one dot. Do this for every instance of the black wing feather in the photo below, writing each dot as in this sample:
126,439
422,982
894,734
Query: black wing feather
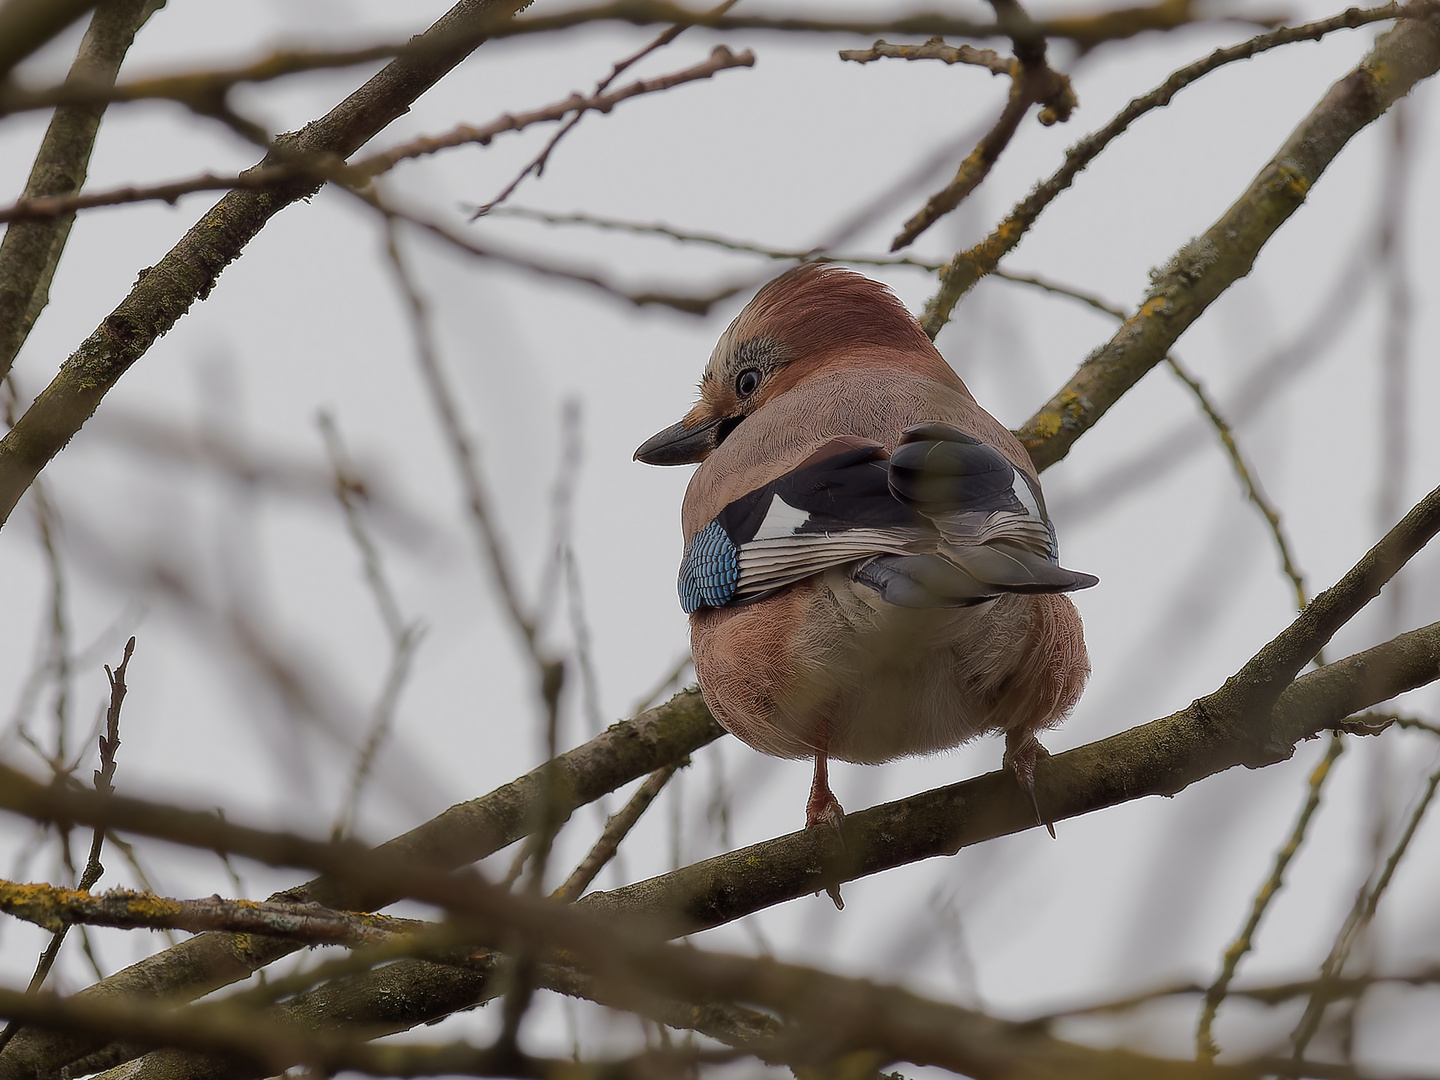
944,521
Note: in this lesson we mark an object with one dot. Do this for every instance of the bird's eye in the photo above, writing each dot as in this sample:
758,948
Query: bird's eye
748,380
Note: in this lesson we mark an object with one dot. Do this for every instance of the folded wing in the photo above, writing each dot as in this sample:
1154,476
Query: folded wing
944,521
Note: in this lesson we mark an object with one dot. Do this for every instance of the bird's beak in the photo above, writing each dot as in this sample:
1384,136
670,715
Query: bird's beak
681,444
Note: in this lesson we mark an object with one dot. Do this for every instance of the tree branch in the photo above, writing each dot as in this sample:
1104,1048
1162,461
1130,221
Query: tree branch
57,908
188,272
1208,265
1162,757
720,59
25,25
463,834
970,266
1032,82
29,253
934,49
1085,30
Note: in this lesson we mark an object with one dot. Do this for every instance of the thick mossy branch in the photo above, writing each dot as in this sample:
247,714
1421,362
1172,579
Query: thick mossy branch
463,834
1162,757
1212,262
1159,758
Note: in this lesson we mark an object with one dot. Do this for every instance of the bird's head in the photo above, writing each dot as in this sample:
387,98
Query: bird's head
809,320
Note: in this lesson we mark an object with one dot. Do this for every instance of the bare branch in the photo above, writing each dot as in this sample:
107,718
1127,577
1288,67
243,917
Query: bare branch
256,179
713,239
29,254
57,909
537,165
25,25
463,834
721,59
1205,1047
616,829
1360,916
689,303
935,49
1085,30
969,266
1204,268
404,637
1033,82
188,272
104,785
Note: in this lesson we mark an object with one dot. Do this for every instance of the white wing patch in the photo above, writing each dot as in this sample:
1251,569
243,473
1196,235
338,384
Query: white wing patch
1026,496
781,519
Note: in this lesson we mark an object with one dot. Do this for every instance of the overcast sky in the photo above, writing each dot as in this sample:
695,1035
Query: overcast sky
783,154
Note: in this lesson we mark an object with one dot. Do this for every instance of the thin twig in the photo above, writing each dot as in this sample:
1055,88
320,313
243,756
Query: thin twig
1243,469
1205,1047
714,240
1395,375
274,175
549,672
1247,478
404,636
260,178
668,681
562,507
969,266
690,304
1361,914
462,449
1033,82
935,49
1086,31
616,829
1265,994
536,167
105,786
721,59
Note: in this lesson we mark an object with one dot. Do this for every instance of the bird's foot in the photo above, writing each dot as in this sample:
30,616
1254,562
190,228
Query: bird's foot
823,810
1021,754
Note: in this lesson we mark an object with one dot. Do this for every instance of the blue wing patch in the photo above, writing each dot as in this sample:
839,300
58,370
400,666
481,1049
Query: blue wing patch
710,570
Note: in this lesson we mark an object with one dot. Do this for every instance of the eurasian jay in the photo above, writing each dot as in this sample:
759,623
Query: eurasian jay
869,568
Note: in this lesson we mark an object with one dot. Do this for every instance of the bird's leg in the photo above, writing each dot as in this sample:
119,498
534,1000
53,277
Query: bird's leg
823,808
1022,750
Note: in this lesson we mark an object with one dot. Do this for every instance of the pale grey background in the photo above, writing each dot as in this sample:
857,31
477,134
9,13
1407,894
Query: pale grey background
309,318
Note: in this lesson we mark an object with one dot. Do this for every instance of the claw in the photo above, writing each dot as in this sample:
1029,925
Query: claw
1021,753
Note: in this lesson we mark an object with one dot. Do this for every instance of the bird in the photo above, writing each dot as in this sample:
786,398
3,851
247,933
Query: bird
869,568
